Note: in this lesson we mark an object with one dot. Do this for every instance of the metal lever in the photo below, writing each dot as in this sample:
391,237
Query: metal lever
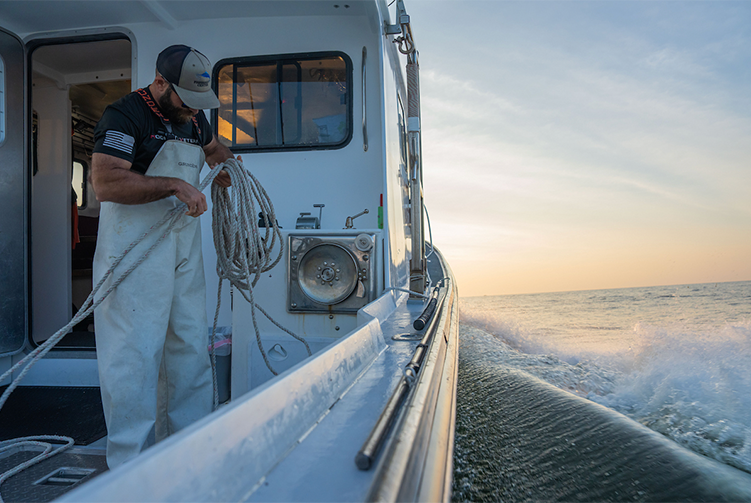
349,223
320,213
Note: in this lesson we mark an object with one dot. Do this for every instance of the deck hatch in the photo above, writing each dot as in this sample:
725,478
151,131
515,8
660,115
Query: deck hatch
65,476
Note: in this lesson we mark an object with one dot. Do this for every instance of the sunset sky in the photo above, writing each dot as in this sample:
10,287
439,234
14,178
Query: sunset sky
576,145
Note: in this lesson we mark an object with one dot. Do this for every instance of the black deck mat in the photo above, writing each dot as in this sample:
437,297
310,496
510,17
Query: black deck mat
24,486
53,410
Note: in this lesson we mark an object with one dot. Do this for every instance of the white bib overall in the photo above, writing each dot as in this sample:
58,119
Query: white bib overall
151,341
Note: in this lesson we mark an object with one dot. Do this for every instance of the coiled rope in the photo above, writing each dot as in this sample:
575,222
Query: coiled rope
241,252
38,441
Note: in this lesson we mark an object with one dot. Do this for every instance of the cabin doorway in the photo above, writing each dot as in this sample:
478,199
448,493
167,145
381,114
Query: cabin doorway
71,85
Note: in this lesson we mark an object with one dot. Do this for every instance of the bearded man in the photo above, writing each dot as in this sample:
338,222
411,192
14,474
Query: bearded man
150,146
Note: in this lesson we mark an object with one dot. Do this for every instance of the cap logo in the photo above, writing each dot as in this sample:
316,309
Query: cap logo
205,75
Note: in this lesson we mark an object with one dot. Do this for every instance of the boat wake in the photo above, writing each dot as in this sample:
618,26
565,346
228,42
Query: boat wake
521,438
693,387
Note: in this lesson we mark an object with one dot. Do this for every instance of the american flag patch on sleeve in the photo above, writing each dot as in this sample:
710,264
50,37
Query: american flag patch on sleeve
118,141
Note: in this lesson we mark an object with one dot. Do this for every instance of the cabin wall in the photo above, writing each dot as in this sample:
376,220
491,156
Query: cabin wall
51,211
13,252
347,180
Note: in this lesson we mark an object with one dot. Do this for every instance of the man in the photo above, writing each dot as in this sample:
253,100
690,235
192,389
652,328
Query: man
151,339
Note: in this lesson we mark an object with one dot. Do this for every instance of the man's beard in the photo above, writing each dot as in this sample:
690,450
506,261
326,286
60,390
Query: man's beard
178,115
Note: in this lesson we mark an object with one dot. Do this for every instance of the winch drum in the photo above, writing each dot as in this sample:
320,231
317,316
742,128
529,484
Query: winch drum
330,273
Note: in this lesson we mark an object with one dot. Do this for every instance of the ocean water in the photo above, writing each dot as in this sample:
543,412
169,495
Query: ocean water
673,359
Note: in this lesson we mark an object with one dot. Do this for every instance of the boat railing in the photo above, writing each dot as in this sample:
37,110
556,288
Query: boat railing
420,416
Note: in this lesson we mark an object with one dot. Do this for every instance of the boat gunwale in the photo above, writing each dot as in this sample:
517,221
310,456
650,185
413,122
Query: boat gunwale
416,434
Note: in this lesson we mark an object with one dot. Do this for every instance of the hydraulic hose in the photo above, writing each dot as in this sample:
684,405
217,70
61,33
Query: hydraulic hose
424,318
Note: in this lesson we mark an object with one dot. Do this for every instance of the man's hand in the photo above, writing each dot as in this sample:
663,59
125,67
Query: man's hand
191,196
223,179
215,154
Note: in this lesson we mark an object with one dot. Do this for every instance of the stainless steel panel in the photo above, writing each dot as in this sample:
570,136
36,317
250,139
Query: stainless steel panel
12,194
330,273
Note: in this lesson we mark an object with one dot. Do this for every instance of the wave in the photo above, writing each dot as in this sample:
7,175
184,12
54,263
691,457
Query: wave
519,438
693,386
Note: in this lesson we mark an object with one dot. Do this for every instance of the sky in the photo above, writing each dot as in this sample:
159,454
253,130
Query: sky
576,145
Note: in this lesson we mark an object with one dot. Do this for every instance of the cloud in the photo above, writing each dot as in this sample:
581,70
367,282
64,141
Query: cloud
556,125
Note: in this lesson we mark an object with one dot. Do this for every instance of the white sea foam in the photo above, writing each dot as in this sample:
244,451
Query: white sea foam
689,380
692,387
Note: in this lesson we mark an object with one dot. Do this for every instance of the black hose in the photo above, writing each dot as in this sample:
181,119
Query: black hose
428,313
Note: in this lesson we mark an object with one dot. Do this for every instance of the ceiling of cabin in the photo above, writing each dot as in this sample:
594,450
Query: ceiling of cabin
86,57
81,66
91,99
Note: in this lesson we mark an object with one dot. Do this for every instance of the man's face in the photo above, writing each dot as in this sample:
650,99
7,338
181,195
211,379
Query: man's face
173,109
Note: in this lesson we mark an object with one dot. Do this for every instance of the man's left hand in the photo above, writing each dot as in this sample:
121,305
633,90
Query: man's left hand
223,179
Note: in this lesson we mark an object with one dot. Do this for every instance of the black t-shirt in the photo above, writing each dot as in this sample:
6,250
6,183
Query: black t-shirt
129,129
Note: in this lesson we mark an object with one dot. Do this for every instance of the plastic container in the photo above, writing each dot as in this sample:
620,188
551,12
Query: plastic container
223,353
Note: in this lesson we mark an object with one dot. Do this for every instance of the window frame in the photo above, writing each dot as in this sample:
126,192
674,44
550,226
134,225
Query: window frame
291,58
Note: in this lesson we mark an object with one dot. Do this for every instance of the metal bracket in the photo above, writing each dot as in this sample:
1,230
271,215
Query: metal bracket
402,18
393,29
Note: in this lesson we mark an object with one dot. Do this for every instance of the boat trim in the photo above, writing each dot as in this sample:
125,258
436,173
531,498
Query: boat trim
269,421
364,102
416,463
404,389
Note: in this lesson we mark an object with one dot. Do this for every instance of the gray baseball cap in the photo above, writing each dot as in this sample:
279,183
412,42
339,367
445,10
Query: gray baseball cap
189,72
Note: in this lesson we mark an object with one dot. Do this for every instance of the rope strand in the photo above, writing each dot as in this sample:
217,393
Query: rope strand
241,252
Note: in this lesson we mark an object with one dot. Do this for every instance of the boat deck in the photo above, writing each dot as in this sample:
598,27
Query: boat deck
336,440
53,477
75,412
320,466
325,458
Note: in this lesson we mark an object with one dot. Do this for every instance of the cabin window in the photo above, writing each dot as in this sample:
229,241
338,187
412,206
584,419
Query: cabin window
78,180
296,102
2,100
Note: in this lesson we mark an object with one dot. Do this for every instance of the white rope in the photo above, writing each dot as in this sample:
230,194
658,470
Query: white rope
240,252
88,306
38,441
243,251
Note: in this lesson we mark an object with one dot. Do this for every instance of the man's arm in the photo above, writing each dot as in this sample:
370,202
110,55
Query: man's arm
113,181
216,152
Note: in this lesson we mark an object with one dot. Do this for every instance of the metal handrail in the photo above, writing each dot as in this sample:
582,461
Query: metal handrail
400,475
372,445
364,107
